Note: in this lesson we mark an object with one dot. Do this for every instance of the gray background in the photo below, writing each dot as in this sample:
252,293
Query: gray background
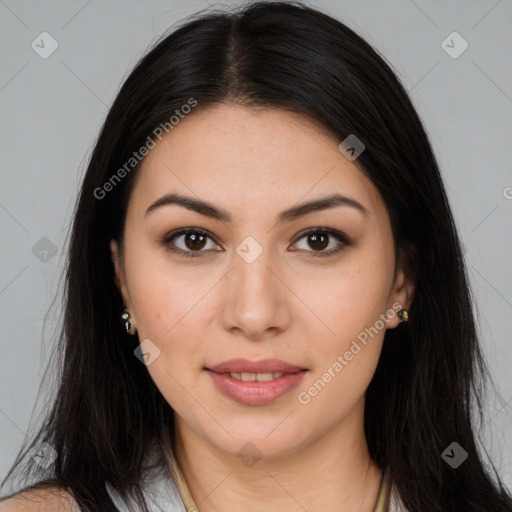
52,110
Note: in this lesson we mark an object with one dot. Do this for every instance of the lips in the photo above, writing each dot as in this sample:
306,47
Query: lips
255,382
247,366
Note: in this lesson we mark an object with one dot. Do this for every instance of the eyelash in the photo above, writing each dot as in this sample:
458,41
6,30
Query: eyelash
341,237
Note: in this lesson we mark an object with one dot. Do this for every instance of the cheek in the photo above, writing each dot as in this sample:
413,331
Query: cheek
170,313
348,341
164,299
346,356
347,300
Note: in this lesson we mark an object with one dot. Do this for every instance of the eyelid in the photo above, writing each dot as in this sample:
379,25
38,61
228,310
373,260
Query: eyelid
322,229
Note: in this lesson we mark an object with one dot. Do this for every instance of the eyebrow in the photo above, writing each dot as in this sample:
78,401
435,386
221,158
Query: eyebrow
209,210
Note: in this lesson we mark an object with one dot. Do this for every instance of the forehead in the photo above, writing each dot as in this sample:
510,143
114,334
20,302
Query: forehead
250,157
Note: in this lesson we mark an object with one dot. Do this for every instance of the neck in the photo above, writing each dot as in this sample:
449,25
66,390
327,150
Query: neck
333,473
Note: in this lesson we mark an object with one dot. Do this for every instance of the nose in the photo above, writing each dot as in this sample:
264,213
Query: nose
255,298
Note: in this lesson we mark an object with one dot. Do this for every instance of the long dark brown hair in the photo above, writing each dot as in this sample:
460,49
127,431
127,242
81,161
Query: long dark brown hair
429,386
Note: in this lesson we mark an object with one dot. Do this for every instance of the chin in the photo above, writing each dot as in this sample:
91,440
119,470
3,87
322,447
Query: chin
250,444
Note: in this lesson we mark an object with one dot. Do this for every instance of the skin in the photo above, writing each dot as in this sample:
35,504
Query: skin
287,304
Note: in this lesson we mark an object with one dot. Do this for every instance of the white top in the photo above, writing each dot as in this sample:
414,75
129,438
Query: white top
395,503
162,493
159,490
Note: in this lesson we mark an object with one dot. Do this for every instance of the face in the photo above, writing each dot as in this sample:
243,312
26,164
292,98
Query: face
312,289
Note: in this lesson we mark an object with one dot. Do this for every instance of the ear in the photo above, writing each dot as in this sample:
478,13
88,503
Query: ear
118,271
404,287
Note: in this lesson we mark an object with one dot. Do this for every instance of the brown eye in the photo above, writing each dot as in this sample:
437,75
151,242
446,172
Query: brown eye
318,240
189,242
194,241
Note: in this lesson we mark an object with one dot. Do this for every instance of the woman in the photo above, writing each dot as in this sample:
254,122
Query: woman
266,304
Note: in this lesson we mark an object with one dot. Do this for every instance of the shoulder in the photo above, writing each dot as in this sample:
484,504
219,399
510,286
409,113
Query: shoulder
52,499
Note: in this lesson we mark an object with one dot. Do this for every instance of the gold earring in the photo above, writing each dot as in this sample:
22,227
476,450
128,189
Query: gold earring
130,329
403,315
